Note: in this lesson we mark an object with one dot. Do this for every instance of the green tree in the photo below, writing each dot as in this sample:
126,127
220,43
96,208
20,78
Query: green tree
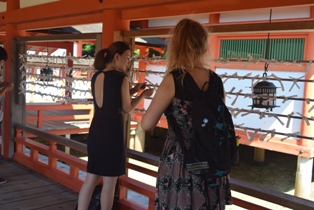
88,50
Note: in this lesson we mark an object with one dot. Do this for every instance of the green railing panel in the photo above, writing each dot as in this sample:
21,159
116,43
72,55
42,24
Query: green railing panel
279,49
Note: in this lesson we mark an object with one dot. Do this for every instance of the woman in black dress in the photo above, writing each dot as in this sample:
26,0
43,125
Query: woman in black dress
105,147
176,188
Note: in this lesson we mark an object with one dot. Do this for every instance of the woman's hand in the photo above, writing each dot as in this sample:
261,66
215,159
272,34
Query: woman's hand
148,92
9,86
140,86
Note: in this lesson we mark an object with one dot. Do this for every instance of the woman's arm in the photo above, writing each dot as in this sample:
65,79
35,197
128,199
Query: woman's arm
159,104
7,87
127,104
138,87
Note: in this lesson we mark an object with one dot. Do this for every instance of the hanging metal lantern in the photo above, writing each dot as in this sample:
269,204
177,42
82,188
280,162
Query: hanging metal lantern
265,95
46,74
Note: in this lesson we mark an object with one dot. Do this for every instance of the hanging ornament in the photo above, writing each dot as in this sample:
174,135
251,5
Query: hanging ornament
265,92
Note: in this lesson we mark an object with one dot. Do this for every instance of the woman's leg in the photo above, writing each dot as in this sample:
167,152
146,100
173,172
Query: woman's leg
86,191
107,192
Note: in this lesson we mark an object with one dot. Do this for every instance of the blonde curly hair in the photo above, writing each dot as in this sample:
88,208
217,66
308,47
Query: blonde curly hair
188,46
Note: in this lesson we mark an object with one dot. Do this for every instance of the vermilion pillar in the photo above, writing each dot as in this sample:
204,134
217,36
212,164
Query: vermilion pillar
112,22
303,178
213,40
11,32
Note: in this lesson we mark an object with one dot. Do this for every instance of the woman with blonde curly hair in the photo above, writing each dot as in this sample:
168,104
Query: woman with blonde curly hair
176,187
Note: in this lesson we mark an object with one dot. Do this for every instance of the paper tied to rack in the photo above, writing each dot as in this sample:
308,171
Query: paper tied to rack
286,98
251,138
22,87
237,95
253,83
304,118
295,134
275,116
308,67
289,119
295,82
231,76
279,80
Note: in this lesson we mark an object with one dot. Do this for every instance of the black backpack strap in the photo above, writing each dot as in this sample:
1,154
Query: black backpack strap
215,84
191,84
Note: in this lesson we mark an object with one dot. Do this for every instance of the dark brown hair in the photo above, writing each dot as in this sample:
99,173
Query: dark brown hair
105,56
3,54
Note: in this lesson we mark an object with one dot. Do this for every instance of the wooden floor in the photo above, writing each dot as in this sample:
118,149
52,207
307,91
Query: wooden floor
27,190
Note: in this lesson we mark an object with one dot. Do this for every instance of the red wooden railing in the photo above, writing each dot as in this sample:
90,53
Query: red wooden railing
71,179
61,113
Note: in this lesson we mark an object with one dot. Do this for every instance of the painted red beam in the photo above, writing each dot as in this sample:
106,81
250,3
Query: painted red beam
143,9
64,21
62,45
205,7
72,8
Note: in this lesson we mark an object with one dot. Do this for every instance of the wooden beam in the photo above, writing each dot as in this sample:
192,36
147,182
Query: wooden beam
62,37
293,26
67,8
62,45
204,7
61,22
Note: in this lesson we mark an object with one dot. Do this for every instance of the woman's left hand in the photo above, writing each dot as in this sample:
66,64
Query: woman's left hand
140,86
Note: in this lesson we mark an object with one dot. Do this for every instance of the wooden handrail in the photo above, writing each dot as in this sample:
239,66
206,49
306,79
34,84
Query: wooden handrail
270,195
71,179
263,193
59,139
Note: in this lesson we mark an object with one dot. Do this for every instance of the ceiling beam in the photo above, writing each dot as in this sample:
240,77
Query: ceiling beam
67,8
294,26
60,37
62,22
205,7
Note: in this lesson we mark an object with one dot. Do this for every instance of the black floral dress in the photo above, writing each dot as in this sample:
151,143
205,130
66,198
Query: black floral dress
176,188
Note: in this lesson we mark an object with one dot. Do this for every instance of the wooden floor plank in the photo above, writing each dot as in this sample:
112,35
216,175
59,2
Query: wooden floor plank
27,189
41,201
66,206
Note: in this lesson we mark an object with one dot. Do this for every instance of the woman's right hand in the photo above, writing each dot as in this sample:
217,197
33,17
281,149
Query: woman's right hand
148,92
9,86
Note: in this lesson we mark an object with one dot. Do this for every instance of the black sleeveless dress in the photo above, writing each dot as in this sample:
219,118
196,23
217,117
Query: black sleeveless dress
105,144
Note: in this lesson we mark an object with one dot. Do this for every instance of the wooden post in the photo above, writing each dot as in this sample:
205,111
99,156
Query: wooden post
259,155
14,106
52,161
213,40
112,22
139,141
67,149
303,178
139,138
69,52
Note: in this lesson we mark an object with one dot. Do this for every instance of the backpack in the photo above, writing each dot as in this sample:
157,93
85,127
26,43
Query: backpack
213,150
